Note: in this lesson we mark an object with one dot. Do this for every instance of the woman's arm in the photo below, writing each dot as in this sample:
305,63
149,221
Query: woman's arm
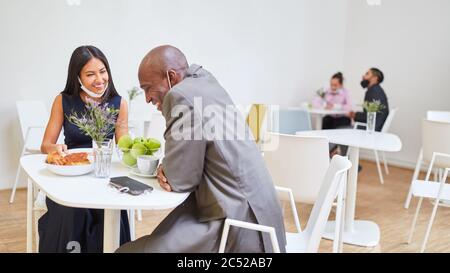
348,106
53,129
122,120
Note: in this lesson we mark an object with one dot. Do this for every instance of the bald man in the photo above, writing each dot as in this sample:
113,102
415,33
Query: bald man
226,177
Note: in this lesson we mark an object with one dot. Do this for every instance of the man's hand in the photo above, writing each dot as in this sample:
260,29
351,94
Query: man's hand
162,179
329,106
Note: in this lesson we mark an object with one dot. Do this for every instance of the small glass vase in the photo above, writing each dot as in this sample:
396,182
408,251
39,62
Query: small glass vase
103,151
371,121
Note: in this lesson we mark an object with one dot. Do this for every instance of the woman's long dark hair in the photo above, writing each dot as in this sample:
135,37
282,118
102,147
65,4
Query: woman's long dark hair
80,57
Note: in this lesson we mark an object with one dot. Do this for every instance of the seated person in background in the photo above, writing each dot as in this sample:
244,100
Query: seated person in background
372,80
337,97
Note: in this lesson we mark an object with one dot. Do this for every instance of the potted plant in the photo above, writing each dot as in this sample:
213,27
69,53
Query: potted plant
97,122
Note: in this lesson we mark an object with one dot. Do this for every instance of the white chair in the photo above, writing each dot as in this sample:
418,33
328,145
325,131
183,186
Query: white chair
33,117
298,163
439,191
435,138
290,121
247,225
308,241
385,129
442,116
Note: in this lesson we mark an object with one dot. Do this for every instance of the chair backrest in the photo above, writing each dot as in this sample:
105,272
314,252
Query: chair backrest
290,121
157,128
436,138
335,175
255,120
31,114
299,163
438,116
388,121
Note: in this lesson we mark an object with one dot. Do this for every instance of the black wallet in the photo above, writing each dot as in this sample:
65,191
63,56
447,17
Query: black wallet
129,185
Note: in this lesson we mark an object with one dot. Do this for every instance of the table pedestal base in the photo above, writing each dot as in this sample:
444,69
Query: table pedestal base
364,233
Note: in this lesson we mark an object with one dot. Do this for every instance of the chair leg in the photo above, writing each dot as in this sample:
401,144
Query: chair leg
223,240
415,177
413,225
337,246
380,174
430,224
16,181
386,169
132,221
36,232
139,215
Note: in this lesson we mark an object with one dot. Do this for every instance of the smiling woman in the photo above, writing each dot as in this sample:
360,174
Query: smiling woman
89,79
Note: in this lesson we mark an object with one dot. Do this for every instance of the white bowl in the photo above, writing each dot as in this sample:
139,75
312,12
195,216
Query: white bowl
73,170
70,170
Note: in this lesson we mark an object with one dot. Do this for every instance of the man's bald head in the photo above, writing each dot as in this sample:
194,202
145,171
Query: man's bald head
162,68
162,59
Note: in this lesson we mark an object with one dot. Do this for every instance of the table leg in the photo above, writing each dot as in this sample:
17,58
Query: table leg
29,216
360,233
111,233
318,125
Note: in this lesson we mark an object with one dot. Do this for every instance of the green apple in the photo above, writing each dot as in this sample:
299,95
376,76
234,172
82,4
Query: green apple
128,159
139,140
125,143
152,143
138,149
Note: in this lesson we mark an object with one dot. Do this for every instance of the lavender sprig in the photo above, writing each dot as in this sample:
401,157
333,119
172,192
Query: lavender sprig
97,122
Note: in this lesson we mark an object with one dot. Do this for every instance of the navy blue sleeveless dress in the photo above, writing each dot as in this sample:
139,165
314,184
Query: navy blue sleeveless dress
62,229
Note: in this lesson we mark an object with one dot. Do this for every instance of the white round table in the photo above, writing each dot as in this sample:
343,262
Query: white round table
87,191
357,232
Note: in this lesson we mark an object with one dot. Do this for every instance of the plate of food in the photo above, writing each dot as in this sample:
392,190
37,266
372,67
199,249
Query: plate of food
75,162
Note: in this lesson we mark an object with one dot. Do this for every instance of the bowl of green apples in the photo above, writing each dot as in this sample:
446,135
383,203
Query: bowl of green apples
128,149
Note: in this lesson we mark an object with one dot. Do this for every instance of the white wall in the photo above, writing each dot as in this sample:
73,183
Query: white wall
410,41
261,50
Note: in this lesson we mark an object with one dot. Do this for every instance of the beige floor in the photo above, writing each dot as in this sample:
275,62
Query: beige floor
380,203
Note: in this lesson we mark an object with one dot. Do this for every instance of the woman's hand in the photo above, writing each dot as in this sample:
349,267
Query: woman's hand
162,179
61,149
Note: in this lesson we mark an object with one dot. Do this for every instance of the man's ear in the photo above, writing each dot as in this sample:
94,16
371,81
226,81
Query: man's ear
174,77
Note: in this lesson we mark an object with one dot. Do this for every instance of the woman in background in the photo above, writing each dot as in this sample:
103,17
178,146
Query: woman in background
336,98
89,77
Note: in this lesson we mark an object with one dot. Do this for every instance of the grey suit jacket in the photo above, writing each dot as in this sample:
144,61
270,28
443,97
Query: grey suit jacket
226,178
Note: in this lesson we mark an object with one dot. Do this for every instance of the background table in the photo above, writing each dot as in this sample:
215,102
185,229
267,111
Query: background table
320,113
357,232
88,191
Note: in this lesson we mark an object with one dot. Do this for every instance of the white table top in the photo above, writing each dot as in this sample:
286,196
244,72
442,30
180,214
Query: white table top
322,111
359,138
87,191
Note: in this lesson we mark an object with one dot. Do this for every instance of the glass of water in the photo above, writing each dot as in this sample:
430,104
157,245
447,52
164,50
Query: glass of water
103,151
